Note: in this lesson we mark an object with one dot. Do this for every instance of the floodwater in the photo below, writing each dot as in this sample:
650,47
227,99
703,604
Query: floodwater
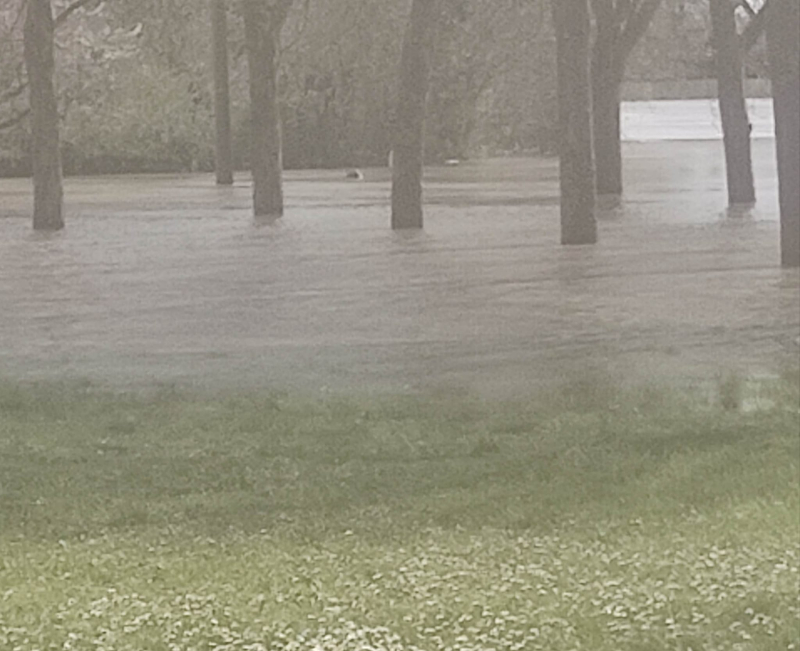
168,279
689,119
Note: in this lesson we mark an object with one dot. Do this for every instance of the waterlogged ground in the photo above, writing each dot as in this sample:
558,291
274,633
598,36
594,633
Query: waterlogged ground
169,279
689,119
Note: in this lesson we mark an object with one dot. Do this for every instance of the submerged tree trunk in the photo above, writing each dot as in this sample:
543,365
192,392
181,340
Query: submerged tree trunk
408,140
45,155
222,102
620,25
262,30
732,105
573,27
607,71
783,26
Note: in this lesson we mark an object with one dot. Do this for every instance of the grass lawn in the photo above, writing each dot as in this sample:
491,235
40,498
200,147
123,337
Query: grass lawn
586,518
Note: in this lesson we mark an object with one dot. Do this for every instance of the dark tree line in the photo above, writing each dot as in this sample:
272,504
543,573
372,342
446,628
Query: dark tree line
595,39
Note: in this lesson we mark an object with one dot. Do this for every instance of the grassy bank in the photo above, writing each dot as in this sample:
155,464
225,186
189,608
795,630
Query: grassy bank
581,519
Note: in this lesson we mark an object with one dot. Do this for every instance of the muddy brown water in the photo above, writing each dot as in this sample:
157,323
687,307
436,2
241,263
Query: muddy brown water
168,279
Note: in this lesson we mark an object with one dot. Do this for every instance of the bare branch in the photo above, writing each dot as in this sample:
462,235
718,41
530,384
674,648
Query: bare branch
745,4
635,27
18,19
14,119
755,27
13,93
20,88
300,31
71,9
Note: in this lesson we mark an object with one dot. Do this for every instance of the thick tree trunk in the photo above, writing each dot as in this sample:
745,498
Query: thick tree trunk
408,140
783,26
222,102
578,224
261,42
607,73
45,155
732,105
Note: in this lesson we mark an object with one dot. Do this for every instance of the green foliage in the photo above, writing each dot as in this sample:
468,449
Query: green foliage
154,120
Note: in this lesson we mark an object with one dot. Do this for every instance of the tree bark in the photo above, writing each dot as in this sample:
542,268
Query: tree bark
222,102
620,25
783,26
45,156
755,28
607,71
262,30
573,27
410,128
732,105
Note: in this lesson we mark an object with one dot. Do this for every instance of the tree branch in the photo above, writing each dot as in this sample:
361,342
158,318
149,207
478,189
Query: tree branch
745,4
300,30
14,93
15,119
635,27
755,27
22,84
71,9
281,9
20,15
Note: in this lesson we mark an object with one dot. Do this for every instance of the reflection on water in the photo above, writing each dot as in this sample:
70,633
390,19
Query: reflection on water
170,279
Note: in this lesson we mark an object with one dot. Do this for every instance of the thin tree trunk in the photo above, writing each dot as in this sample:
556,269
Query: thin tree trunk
607,73
408,141
45,155
607,137
578,224
261,42
732,105
222,102
783,26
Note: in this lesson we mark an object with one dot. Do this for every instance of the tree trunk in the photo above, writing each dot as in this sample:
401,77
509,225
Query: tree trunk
620,25
45,155
783,26
261,42
578,224
607,73
732,105
607,137
408,141
222,102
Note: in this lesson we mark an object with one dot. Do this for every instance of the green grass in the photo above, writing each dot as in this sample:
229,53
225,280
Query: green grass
586,518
